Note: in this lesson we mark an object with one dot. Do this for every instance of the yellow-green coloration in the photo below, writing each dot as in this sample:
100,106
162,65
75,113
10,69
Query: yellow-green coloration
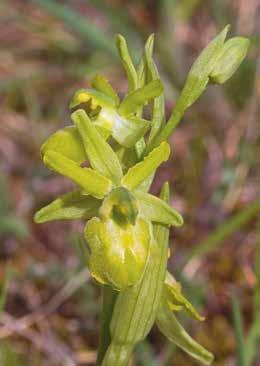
118,254
112,118
128,228
121,206
133,179
88,179
175,299
66,142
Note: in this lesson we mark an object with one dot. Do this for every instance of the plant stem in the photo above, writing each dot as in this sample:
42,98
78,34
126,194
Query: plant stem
109,298
118,355
237,317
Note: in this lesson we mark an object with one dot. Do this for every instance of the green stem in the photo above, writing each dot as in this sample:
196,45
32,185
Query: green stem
109,298
118,355
174,120
237,318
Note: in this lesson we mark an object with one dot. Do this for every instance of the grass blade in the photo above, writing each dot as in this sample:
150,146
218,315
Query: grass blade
238,326
89,32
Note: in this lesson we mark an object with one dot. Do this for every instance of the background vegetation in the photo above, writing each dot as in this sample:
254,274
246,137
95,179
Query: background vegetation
49,307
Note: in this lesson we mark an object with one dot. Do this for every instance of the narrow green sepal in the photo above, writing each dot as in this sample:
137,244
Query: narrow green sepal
174,332
100,154
90,181
158,110
101,84
140,97
67,142
69,206
94,98
233,53
127,62
139,172
176,300
156,210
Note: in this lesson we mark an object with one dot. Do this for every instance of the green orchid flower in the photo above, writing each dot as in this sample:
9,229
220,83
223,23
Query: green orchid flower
127,228
119,231
113,118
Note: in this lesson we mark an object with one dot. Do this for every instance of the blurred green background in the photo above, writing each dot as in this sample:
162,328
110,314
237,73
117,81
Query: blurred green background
49,307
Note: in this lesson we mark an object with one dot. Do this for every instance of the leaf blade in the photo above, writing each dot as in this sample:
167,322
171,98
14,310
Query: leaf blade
174,331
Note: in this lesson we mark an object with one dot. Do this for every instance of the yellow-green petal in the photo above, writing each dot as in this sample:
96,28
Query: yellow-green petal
140,97
100,154
88,179
154,209
139,172
176,300
67,142
101,84
69,206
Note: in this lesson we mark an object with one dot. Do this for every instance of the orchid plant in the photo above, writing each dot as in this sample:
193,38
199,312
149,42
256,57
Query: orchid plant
127,228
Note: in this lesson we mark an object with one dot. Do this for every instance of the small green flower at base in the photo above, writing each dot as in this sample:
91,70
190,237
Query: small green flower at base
118,255
119,241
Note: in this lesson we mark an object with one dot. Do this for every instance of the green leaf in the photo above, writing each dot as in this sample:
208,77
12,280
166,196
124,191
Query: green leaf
66,142
4,289
69,206
127,63
88,179
139,172
156,210
175,299
101,156
101,84
173,330
139,97
233,53
158,103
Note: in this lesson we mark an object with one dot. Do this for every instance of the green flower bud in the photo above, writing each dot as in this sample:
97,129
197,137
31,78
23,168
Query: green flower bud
119,241
233,53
